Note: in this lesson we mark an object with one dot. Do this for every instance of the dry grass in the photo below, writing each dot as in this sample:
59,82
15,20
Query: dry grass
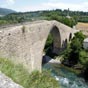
83,27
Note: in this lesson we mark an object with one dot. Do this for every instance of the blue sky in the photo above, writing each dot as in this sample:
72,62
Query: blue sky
33,5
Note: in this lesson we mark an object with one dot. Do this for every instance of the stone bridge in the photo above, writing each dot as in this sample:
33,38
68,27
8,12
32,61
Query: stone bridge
24,43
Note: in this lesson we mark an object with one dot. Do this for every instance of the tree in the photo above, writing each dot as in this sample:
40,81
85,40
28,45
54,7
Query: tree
74,50
80,36
84,59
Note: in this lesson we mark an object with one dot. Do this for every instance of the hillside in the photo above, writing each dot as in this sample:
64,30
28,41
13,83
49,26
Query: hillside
58,14
4,11
37,15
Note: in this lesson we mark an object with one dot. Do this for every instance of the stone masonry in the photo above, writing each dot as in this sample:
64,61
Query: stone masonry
24,43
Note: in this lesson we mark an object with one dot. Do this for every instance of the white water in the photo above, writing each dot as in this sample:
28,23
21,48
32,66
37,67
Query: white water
66,79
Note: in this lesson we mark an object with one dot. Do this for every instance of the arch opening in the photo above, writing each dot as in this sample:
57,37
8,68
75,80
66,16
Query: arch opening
64,44
70,36
52,45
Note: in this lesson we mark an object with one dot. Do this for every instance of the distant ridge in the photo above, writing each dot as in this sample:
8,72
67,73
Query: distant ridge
4,11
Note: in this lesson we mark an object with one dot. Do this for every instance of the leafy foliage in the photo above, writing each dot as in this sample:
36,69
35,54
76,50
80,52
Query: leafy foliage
73,53
21,76
49,46
57,14
84,58
76,54
68,21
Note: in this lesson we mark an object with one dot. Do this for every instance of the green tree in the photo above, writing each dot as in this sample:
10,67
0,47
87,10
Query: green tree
80,36
84,59
84,63
73,54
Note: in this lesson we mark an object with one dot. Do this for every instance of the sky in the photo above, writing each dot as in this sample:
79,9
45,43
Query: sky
34,5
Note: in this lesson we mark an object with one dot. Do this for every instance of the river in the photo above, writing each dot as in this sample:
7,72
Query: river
66,78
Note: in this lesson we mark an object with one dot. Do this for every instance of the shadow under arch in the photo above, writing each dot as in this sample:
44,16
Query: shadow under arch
53,44
64,44
56,39
70,36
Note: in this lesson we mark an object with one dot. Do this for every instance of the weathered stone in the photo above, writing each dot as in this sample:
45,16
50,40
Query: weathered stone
25,43
6,82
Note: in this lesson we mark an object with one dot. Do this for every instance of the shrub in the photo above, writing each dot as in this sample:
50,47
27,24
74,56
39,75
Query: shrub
22,77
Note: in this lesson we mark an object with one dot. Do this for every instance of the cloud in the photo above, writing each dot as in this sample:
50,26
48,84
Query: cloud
10,2
53,0
60,5
7,3
83,6
49,5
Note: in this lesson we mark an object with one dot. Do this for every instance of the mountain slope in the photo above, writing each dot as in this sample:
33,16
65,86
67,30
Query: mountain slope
4,11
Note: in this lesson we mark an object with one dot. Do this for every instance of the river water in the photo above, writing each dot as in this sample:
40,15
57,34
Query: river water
66,78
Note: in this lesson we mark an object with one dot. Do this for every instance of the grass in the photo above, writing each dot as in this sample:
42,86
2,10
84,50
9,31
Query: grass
82,26
22,77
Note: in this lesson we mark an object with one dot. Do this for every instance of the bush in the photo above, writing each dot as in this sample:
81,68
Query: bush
67,21
73,53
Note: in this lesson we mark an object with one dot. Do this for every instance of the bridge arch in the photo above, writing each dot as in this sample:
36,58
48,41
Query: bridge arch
55,32
52,44
56,39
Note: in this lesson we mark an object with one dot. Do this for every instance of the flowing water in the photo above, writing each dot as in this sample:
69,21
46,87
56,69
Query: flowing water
66,78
